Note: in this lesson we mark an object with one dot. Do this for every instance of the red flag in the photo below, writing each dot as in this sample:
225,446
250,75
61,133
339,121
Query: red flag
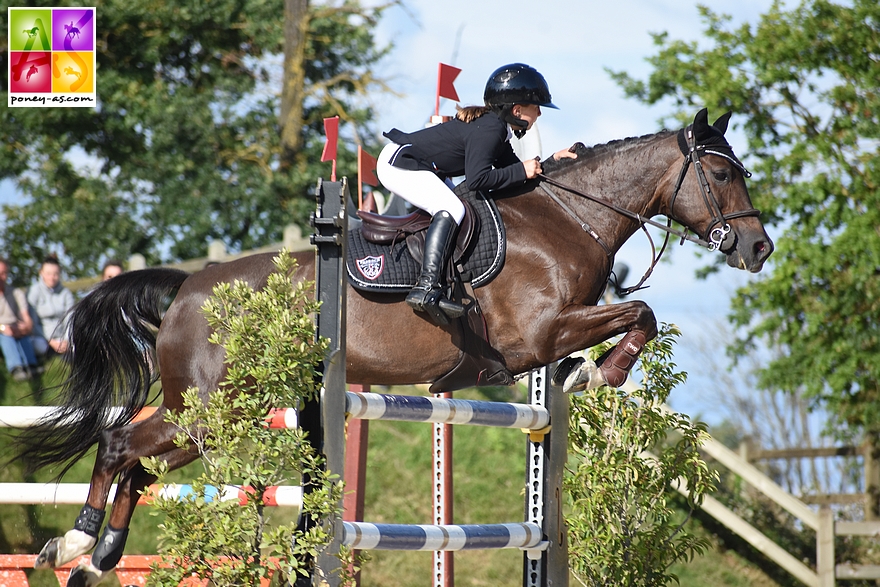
369,203
445,76
367,168
331,129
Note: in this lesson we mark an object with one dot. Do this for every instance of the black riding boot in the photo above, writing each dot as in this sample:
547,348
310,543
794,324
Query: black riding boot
427,294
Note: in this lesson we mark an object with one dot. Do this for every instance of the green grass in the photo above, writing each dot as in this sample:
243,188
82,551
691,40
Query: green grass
489,473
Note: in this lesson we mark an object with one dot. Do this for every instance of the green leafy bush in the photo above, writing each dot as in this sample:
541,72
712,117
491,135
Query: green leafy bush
271,355
626,453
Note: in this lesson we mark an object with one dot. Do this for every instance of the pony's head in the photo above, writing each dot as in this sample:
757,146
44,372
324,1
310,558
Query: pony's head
714,200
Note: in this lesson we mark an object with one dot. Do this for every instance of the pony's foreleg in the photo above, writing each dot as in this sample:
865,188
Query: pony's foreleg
612,368
634,319
111,544
614,365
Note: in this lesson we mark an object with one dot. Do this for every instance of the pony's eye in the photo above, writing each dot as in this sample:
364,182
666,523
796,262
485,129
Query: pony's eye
721,176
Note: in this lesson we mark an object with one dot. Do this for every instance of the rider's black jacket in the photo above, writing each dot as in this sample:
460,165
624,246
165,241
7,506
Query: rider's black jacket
479,150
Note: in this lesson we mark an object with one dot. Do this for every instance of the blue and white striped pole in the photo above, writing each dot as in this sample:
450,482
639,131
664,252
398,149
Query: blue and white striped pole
366,536
414,408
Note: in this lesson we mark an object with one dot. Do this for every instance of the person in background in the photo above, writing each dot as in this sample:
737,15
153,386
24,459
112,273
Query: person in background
51,301
111,269
16,326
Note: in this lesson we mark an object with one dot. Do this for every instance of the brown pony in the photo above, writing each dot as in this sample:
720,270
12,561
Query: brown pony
540,308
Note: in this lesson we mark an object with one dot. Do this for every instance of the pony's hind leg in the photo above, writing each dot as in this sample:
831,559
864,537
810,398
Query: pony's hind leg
119,449
111,544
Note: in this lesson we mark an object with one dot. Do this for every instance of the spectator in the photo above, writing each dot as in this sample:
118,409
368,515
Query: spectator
15,329
51,301
111,269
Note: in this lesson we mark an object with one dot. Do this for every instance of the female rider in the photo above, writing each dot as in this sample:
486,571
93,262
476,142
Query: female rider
476,144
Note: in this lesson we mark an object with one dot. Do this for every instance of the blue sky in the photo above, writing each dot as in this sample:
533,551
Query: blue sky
571,43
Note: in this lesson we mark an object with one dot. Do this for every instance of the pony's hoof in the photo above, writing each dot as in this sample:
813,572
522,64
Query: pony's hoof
48,557
63,549
577,374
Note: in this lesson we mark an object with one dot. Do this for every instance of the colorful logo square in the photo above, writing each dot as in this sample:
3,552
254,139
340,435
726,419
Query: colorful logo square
72,72
73,29
30,29
52,57
30,71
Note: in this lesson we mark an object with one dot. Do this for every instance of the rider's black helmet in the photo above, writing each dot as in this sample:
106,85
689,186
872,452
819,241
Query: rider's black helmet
516,83
512,84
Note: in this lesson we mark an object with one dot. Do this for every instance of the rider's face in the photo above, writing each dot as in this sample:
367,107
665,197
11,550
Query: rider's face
527,112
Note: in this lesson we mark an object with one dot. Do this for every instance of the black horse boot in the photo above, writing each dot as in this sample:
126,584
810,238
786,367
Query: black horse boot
427,294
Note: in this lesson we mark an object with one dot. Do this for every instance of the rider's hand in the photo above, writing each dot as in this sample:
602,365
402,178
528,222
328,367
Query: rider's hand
566,153
533,168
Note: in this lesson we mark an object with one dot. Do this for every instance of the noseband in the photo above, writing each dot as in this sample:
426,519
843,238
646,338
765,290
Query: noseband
718,229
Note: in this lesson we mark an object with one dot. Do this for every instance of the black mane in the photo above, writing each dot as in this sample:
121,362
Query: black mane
614,147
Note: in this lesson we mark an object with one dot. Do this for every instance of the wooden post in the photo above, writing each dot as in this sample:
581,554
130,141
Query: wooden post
825,547
356,441
137,261
871,459
216,251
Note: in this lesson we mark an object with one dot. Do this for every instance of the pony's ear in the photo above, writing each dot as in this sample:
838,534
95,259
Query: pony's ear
721,123
701,120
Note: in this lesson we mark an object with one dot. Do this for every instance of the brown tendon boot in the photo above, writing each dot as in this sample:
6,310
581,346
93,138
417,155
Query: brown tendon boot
615,364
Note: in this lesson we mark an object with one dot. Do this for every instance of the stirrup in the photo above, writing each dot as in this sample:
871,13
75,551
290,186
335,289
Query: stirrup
434,304
451,309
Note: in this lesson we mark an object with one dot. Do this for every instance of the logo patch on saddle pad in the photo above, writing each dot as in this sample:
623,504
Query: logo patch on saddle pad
370,266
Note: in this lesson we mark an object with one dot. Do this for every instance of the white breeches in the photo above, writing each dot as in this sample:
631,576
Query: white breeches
422,189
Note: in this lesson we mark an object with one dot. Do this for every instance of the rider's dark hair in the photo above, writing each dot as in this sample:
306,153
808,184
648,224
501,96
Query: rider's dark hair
470,113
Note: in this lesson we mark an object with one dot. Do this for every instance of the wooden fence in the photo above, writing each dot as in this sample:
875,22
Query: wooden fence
293,240
828,571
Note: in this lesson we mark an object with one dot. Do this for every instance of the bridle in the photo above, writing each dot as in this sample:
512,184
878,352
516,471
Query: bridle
692,153
716,232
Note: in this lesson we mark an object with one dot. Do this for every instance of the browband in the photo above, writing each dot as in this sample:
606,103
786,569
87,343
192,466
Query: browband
725,151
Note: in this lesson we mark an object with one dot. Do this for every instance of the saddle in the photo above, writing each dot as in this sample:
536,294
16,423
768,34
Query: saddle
385,254
387,230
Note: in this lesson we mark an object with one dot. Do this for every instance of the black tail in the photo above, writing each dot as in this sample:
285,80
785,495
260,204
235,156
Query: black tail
113,336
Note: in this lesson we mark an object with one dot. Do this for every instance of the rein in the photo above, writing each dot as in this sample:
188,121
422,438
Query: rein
716,235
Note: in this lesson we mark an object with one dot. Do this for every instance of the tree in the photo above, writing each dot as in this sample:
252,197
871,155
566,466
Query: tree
186,139
628,451
806,83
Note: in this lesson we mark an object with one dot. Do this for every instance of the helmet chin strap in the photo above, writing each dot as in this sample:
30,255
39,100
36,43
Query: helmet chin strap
519,125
